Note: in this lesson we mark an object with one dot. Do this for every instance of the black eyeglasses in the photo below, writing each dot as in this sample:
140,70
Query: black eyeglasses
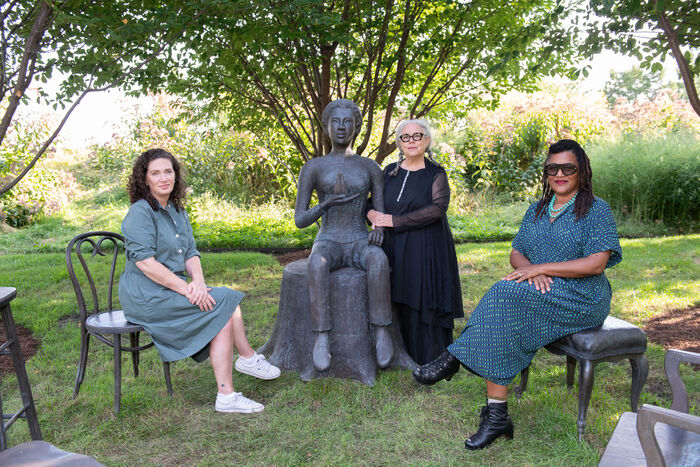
415,137
566,169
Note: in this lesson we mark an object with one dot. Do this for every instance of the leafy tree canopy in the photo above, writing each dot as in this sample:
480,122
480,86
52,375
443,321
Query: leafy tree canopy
279,62
648,30
95,45
631,84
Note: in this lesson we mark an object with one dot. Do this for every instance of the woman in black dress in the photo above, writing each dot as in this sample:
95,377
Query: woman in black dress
425,284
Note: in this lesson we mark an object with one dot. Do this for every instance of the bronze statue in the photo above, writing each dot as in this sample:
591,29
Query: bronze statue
343,180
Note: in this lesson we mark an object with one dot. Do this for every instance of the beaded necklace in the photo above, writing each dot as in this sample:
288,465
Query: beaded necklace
555,212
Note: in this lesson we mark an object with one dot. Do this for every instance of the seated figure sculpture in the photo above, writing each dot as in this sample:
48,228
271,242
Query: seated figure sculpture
343,181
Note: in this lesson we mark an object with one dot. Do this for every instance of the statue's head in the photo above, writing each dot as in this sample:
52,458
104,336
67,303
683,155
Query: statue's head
334,107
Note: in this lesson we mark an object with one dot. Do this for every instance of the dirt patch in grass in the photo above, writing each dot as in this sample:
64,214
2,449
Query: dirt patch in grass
676,329
27,343
290,257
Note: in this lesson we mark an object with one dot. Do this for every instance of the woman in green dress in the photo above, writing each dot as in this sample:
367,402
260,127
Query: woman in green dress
557,287
184,319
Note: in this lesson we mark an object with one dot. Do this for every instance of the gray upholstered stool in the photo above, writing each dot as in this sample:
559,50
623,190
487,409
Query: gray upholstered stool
41,453
614,340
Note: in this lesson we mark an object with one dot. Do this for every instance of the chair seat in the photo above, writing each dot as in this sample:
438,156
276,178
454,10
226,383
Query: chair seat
111,322
615,337
41,453
679,447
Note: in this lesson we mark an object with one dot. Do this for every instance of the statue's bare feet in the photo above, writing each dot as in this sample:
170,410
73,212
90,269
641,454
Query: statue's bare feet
383,345
321,352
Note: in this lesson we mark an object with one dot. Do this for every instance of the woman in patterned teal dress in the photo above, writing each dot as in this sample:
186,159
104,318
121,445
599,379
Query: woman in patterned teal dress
184,319
557,287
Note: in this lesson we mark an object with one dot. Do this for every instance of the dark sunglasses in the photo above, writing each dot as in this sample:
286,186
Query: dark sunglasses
415,137
566,169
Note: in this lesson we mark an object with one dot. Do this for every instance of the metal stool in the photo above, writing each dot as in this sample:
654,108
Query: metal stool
28,411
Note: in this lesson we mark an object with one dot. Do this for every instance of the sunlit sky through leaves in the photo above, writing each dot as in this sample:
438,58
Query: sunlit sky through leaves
101,115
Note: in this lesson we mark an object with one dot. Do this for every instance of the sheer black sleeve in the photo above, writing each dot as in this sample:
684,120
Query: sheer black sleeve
430,213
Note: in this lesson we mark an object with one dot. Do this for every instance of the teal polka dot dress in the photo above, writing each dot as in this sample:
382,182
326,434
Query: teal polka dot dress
512,321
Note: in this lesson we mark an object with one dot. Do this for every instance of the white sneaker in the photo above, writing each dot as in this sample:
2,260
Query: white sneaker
236,402
259,368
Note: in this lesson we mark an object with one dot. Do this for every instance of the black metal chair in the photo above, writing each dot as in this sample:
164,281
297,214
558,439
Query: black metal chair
103,322
657,436
615,340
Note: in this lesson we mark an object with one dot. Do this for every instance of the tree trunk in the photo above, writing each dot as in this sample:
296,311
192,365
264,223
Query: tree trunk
686,74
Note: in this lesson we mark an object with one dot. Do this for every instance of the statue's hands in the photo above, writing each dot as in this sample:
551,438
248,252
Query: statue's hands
337,198
376,236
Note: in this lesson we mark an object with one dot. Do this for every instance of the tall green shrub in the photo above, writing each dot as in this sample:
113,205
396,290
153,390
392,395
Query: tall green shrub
216,158
503,149
650,179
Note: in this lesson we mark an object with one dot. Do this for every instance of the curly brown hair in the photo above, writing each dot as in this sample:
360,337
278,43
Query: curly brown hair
137,188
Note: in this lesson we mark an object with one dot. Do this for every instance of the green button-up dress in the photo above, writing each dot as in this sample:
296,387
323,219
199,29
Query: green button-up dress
178,328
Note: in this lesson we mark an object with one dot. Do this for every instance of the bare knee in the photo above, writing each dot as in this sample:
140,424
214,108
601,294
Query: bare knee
227,329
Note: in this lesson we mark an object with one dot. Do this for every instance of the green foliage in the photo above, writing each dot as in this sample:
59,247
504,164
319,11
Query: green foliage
215,159
616,21
650,179
276,64
42,191
649,30
503,150
631,84
94,46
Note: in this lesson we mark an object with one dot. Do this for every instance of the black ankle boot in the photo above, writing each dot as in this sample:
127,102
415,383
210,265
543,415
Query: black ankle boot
495,422
443,367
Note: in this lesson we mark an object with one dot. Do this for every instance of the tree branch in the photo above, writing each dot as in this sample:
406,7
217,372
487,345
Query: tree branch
88,90
24,78
686,74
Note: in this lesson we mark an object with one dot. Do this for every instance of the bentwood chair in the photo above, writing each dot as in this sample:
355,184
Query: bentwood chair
657,436
97,254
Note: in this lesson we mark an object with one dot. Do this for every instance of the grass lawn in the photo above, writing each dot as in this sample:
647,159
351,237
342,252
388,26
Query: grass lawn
330,421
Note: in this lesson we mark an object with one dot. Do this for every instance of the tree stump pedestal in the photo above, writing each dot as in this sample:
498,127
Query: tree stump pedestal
351,339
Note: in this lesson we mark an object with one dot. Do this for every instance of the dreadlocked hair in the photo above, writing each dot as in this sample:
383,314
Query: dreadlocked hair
584,198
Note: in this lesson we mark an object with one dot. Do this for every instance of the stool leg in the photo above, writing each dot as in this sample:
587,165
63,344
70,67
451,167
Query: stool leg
585,388
640,370
168,383
524,376
3,439
21,372
117,345
570,371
